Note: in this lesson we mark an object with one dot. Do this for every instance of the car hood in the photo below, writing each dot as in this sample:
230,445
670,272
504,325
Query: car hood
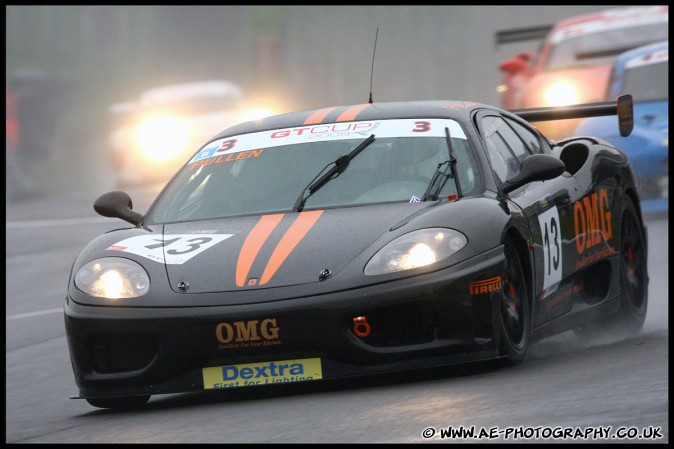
275,250
264,258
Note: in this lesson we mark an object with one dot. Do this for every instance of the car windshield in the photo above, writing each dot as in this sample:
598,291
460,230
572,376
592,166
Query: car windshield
601,48
647,82
261,173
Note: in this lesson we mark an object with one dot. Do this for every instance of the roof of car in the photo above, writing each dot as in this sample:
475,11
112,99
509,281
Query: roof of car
617,16
459,110
648,54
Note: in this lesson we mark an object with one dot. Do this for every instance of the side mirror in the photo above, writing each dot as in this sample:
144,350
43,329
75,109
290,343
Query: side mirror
537,167
117,204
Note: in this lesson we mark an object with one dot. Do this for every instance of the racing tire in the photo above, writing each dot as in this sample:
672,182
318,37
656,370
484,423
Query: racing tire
514,313
123,402
633,271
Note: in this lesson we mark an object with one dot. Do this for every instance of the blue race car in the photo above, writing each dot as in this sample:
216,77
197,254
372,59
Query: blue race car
644,73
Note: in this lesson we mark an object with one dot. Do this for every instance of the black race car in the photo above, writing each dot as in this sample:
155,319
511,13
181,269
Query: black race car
358,240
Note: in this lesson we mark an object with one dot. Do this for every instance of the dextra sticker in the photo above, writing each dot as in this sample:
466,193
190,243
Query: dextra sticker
551,233
328,132
249,374
173,249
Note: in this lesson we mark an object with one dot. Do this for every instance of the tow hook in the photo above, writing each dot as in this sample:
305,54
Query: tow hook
361,327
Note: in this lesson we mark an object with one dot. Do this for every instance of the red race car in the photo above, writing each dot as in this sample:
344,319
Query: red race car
574,61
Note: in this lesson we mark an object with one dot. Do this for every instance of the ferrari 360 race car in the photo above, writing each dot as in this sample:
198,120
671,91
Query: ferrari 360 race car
357,240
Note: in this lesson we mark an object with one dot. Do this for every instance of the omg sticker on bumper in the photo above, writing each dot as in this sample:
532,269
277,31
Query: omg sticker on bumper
265,373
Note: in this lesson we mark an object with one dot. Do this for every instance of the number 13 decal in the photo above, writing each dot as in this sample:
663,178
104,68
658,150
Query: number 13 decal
171,249
552,246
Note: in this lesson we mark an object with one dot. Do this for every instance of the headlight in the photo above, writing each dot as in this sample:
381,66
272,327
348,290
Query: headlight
416,249
161,137
113,278
560,94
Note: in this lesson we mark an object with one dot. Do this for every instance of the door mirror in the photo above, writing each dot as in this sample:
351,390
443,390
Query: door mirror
117,204
537,167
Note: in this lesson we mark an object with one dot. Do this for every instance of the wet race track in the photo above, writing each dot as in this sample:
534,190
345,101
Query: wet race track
602,390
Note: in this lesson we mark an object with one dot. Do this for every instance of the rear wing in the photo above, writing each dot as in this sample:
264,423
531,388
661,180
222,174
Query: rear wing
522,34
622,107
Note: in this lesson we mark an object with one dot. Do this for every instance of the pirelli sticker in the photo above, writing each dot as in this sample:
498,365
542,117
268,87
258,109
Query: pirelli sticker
264,373
485,286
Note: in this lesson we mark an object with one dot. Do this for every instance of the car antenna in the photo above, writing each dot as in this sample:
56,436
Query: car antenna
372,70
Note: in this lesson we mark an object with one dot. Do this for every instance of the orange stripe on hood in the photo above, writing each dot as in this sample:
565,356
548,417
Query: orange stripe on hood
352,112
317,116
304,222
252,245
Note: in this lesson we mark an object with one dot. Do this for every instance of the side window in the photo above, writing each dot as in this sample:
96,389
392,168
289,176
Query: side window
513,140
504,147
530,139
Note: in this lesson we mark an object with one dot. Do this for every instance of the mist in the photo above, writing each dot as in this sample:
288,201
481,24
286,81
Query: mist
74,62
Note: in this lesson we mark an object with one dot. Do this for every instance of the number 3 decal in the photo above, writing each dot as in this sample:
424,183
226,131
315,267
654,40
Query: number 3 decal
552,247
421,127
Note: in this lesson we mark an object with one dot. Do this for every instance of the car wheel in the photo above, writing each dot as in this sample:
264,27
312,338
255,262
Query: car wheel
123,402
514,308
633,271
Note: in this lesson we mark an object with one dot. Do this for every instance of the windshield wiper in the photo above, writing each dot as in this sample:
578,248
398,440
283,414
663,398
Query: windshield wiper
337,169
440,176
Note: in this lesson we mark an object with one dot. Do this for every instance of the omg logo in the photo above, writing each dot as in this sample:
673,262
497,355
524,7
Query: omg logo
592,220
243,334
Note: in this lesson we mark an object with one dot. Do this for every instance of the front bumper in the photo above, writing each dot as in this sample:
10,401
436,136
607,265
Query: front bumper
428,320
